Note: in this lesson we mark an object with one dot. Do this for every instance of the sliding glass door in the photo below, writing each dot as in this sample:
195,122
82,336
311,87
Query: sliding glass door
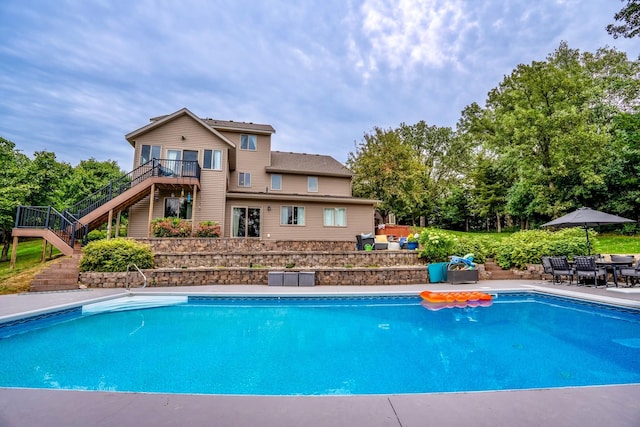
245,222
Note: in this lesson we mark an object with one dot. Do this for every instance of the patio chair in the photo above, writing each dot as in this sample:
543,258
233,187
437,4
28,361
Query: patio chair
586,267
381,242
547,267
561,267
632,273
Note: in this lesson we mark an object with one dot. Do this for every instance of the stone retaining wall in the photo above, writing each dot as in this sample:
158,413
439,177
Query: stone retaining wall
253,276
280,259
190,245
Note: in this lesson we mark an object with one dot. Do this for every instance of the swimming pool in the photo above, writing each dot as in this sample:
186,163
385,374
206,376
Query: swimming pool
323,346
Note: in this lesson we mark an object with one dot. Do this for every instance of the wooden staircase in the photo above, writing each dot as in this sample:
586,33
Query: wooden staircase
495,272
59,276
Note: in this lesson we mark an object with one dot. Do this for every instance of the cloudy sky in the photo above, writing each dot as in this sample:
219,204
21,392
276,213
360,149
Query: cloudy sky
76,76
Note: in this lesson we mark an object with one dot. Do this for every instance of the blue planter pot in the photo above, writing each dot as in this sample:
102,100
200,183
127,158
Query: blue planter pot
437,272
412,246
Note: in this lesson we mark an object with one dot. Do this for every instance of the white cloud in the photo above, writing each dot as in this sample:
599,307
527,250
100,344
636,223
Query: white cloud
407,34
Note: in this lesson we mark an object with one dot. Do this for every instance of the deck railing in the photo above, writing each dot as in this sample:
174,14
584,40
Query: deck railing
154,167
64,225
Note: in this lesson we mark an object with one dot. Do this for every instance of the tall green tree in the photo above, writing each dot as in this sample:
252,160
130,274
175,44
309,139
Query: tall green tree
388,169
88,177
16,188
629,15
49,178
547,123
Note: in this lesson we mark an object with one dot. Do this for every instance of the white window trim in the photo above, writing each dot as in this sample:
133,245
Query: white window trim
244,174
249,149
272,187
335,211
304,219
213,157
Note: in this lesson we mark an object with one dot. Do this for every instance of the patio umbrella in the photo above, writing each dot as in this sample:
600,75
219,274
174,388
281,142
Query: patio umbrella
586,217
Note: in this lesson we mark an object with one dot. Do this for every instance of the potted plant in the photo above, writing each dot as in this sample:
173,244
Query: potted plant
412,241
437,245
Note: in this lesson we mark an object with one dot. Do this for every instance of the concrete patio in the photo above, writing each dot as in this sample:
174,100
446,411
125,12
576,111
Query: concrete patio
584,406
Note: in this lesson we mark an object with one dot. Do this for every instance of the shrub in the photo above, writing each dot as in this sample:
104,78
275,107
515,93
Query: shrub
476,245
102,234
115,255
528,247
208,229
436,245
171,227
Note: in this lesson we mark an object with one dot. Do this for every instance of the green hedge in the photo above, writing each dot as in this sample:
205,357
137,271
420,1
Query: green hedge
528,247
115,255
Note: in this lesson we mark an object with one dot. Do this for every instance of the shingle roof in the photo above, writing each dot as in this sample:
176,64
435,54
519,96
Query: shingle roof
231,125
305,164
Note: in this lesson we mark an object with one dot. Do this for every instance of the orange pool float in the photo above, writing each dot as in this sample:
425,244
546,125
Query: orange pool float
439,300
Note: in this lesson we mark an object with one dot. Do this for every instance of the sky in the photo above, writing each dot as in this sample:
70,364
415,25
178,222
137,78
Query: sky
76,76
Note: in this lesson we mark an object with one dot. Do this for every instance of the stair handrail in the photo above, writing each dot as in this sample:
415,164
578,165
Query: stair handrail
47,217
139,271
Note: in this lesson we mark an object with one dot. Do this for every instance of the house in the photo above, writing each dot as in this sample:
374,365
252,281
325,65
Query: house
225,171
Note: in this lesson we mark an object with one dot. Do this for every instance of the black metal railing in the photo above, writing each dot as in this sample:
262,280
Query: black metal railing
66,224
63,225
154,167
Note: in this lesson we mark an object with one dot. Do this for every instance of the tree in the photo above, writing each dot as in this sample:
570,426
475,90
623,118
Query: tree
88,177
388,169
15,189
630,16
547,123
49,178
489,190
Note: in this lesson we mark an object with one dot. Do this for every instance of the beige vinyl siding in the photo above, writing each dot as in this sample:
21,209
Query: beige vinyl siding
211,199
360,219
327,185
254,162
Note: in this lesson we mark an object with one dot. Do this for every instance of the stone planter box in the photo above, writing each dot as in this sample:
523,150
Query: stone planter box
276,278
307,278
462,276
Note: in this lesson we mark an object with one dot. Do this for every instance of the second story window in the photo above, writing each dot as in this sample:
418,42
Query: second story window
312,184
244,179
212,160
248,142
276,182
148,152
292,215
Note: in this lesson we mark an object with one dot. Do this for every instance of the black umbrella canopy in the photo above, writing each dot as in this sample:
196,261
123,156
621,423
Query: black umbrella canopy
586,217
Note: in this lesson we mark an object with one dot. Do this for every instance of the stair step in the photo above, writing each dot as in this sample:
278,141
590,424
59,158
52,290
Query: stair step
56,287
61,276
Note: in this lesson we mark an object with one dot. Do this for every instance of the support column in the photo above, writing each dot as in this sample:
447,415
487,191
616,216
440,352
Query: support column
43,258
14,252
118,224
193,212
152,196
109,225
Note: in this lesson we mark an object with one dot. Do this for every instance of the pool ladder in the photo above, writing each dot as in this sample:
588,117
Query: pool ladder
139,271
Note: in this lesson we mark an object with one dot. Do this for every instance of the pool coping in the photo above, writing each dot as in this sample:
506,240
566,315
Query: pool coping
586,406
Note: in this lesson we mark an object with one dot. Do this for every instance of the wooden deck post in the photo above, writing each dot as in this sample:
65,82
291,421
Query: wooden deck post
118,224
44,250
109,224
152,196
14,253
193,212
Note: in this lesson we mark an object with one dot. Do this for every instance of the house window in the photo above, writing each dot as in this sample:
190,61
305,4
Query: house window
148,152
177,207
335,217
292,215
312,184
244,179
212,160
276,182
248,142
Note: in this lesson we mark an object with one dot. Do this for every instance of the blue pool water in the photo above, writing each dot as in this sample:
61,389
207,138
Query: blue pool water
319,346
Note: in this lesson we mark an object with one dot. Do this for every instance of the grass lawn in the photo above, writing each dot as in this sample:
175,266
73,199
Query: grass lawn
27,266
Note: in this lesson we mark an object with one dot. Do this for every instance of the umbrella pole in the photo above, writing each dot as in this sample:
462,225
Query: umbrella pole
586,230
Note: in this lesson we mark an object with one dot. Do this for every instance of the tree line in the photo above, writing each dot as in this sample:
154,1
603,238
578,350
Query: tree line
553,136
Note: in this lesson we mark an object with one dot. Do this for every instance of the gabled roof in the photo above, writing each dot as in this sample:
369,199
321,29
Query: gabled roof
157,122
307,164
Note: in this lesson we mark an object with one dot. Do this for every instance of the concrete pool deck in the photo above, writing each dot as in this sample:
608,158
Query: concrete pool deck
584,406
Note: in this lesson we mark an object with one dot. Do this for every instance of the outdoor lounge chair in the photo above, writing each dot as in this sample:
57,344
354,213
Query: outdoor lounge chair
561,267
547,267
586,267
632,273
